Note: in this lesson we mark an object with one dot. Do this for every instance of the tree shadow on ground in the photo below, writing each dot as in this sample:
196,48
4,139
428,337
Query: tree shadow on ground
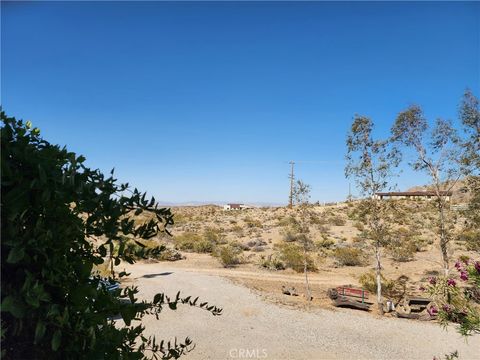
149,276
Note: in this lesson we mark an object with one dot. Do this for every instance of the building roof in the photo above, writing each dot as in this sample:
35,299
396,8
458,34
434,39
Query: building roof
414,193
235,205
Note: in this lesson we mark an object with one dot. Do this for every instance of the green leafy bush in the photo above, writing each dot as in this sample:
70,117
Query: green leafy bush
59,219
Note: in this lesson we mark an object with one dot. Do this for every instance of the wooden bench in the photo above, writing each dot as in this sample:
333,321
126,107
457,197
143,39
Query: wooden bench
349,297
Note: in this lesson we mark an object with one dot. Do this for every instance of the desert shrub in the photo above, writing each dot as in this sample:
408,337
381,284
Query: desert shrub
289,235
359,226
287,221
256,242
403,245
471,239
403,252
292,256
203,246
194,242
214,235
317,220
186,241
52,305
257,248
271,263
170,255
323,229
337,221
325,243
421,242
349,256
252,223
228,255
237,229
393,288
256,245
240,246
368,281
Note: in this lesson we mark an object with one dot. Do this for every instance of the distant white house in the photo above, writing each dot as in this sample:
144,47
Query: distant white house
230,207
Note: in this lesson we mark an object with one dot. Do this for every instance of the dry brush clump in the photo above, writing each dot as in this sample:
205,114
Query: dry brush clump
470,239
271,262
292,255
229,255
392,288
349,256
194,242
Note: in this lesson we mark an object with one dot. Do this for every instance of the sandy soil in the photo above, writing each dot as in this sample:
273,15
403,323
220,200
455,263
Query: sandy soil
253,327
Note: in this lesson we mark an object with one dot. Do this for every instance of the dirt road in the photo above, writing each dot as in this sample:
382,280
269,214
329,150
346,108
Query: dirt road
251,328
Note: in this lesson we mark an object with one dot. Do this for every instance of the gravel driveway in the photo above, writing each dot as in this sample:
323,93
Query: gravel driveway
251,328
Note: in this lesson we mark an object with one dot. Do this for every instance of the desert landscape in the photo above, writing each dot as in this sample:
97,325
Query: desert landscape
242,260
280,180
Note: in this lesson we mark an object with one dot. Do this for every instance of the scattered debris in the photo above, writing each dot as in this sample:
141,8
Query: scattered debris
416,308
289,291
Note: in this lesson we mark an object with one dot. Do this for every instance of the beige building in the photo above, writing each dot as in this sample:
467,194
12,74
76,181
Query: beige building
413,195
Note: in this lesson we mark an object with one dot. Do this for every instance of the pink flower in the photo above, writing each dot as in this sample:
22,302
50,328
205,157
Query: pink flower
447,308
451,282
432,280
421,288
464,276
432,311
458,265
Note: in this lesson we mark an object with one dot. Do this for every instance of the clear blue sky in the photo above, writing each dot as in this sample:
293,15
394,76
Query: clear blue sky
208,101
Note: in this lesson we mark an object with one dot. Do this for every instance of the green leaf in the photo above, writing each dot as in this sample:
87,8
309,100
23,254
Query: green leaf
13,306
39,331
15,255
56,340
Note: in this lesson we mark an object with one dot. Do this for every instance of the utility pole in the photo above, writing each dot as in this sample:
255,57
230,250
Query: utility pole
292,181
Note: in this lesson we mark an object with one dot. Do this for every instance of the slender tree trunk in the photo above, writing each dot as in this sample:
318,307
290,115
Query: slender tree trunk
307,285
443,237
378,270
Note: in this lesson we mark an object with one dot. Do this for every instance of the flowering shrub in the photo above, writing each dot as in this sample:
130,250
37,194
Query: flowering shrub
458,302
